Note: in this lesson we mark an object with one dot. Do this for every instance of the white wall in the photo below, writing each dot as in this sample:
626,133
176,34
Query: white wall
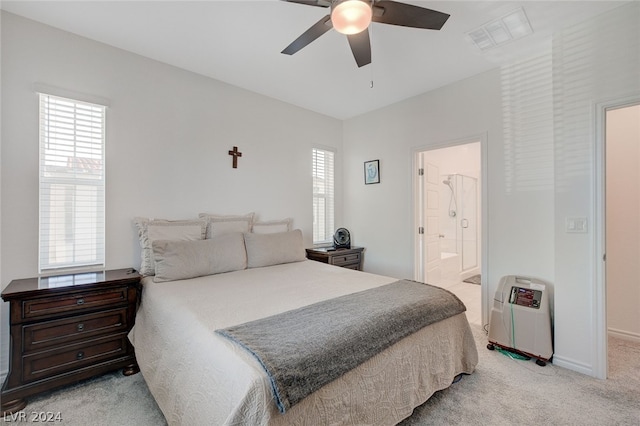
459,159
527,206
593,62
623,221
168,133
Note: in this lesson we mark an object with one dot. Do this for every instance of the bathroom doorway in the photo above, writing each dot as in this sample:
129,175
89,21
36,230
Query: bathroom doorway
620,193
448,214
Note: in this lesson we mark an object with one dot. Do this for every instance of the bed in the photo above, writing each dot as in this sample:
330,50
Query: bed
198,376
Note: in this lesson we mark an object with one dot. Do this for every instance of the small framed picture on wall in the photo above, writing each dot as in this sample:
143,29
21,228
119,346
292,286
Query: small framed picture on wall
371,172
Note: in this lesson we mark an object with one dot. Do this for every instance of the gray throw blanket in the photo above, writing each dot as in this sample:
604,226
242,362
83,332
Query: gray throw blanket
306,348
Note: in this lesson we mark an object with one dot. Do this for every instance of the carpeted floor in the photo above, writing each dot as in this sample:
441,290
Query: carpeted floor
501,391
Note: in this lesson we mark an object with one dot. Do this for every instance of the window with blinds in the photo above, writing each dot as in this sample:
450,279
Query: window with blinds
72,184
323,195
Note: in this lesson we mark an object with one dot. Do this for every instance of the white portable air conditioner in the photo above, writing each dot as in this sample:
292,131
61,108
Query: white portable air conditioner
520,320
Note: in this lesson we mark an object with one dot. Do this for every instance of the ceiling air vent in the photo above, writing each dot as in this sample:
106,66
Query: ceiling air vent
512,26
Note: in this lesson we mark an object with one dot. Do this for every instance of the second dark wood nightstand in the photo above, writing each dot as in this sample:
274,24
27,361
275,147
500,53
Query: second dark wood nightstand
346,258
67,328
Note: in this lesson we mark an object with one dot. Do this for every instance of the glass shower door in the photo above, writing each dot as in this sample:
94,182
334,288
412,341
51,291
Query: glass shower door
468,221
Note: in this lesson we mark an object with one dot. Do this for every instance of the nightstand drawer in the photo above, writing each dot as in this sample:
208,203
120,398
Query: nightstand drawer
83,301
341,260
63,331
354,266
72,357
346,258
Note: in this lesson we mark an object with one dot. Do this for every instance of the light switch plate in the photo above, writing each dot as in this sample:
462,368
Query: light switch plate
576,224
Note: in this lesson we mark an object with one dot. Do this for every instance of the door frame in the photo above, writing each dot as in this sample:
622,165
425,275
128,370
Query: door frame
484,227
600,331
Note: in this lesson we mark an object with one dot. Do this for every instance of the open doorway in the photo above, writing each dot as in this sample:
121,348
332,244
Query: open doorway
617,138
448,215
622,225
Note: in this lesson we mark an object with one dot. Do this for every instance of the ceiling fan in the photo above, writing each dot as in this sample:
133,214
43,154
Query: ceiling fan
352,17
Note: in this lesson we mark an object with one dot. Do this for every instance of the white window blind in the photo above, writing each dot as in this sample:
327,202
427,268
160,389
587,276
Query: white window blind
72,183
323,195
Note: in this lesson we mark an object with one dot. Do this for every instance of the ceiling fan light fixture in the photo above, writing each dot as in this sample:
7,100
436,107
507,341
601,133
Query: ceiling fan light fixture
351,16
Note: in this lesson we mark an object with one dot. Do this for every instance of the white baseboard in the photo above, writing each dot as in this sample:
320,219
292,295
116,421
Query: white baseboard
574,365
624,335
587,369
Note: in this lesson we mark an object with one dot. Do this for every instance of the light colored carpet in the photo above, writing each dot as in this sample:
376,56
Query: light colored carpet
502,391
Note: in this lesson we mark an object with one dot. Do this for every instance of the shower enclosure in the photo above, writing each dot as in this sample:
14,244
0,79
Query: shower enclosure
459,225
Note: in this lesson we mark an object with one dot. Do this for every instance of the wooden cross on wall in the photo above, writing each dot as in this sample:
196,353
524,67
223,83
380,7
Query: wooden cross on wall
235,153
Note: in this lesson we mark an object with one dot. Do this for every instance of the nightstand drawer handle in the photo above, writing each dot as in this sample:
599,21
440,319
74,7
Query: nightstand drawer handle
80,302
80,355
80,327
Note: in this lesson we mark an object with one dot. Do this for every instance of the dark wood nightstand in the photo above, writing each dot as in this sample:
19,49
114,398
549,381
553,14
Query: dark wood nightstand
347,258
68,328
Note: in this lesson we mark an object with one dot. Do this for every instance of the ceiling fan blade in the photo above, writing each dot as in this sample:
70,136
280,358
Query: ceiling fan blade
361,47
316,30
319,3
407,15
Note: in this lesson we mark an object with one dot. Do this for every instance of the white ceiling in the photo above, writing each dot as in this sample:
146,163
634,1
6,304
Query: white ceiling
239,42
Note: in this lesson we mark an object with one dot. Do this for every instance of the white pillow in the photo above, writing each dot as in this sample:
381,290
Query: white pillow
272,226
219,225
178,260
150,230
273,249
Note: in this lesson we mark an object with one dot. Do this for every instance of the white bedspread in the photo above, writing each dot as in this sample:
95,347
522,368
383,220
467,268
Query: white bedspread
200,378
